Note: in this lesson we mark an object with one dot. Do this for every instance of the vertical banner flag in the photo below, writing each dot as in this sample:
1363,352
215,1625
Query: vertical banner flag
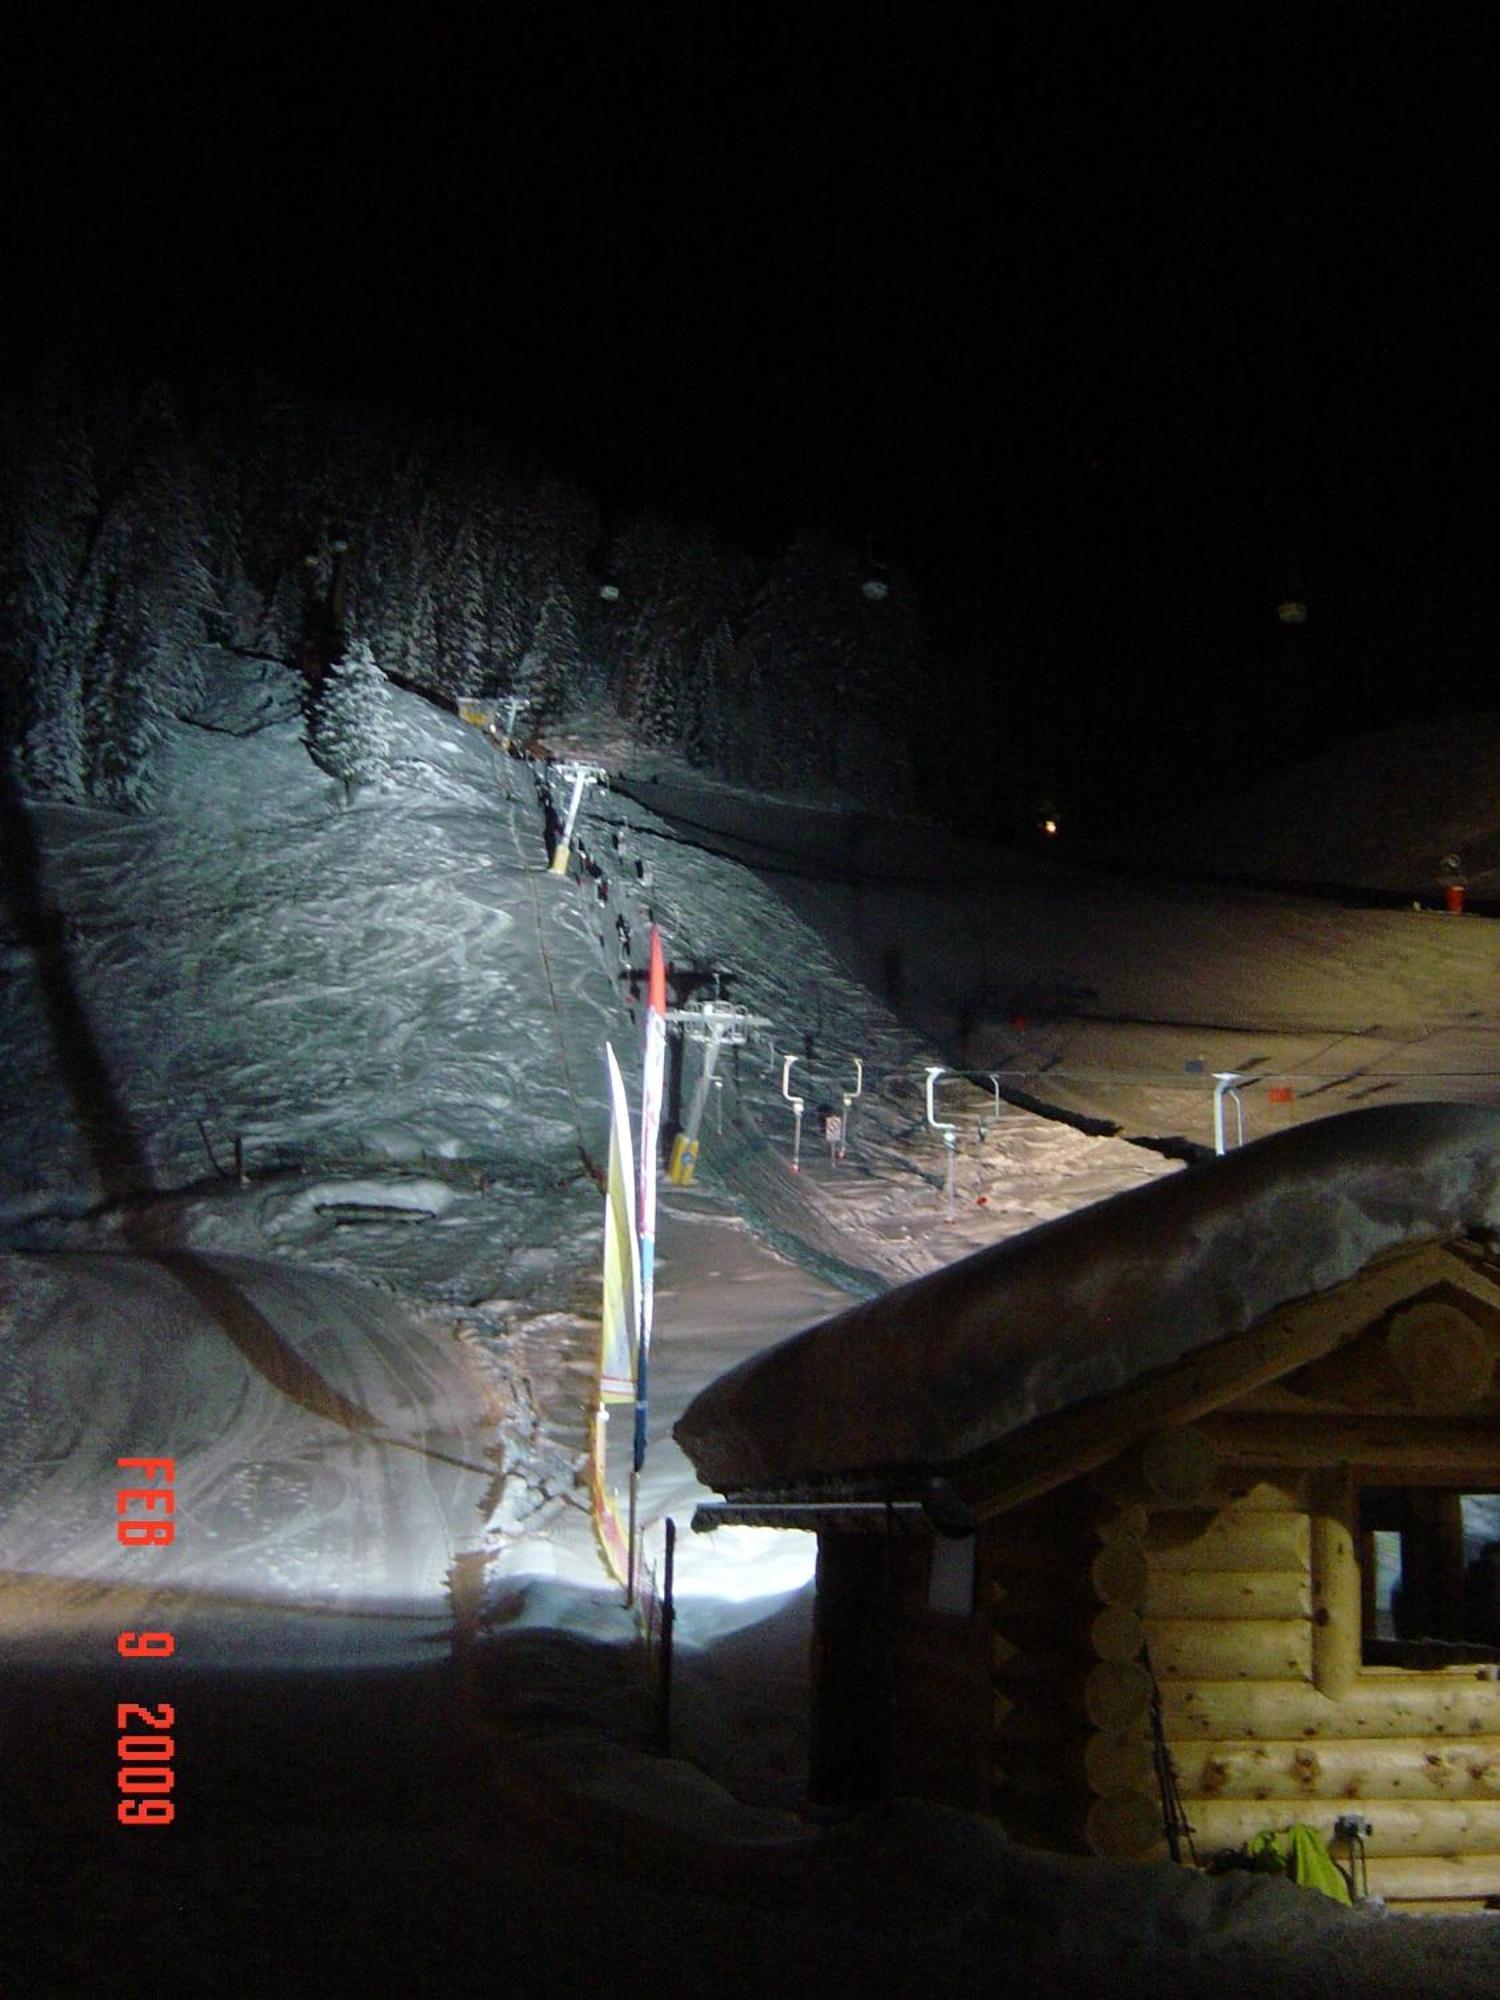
651,1096
622,1271
619,1321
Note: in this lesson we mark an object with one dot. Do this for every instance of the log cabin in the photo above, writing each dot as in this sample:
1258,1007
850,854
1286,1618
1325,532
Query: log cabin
1172,1521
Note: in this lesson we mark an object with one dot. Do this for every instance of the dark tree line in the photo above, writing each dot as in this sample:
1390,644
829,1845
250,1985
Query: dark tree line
140,531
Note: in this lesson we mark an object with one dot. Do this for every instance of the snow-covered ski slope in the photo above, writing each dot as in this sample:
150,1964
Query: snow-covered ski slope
325,1476
399,1014
396,1003
391,1016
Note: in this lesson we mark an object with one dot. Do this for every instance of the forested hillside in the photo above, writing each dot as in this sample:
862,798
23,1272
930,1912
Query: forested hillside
140,529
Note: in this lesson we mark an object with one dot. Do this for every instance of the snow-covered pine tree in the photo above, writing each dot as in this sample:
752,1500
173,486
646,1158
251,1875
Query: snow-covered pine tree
462,638
52,594
349,724
712,708
551,673
48,504
144,668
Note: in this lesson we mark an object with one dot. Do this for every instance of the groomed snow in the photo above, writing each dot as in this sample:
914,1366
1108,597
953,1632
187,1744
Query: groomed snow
401,1016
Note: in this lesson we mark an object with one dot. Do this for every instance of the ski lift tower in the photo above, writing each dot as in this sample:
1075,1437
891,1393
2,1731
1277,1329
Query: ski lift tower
948,1133
713,1025
505,724
578,775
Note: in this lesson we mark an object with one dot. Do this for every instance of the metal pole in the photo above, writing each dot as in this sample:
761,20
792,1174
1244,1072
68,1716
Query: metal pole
692,1124
668,1623
949,1132
796,1104
1224,1082
850,1095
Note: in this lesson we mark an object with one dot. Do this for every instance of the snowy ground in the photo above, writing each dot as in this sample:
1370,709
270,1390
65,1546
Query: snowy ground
380,1342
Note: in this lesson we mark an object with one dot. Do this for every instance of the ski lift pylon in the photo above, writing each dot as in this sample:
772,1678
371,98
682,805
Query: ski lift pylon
798,1107
949,1132
578,775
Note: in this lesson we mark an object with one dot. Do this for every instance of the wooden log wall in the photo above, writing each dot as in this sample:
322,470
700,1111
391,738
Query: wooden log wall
1252,1621
1072,1762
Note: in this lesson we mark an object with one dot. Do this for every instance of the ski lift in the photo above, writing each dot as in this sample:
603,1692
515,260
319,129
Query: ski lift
713,1025
477,710
512,705
1224,1086
949,1132
578,775
849,1096
985,1124
798,1106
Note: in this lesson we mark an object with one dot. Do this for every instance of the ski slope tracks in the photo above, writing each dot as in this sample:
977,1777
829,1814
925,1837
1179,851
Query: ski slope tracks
330,1236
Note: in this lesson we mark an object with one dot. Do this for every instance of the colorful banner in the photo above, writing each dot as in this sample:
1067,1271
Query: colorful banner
651,1095
613,1544
622,1272
619,1324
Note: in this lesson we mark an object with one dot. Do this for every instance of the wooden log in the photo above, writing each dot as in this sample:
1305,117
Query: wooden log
1116,1520
1094,1766
1444,1359
1460,1448
1125,1826
1228,1593
1120,1573
1117,1694
1171,1468
1116,1574
1337,1614
1391,1767
1457,1906
1437,1829
1119,1760
1406,1878
1117,1633
1233,1540
1231,1649
1446,1703
1053,1638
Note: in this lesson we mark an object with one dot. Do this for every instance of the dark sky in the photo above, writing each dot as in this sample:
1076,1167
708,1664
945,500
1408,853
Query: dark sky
1117,324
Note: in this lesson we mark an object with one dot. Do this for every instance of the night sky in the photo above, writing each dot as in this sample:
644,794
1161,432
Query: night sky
1115,326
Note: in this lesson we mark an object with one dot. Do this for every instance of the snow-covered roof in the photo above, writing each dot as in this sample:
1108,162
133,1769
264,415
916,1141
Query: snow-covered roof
943,1366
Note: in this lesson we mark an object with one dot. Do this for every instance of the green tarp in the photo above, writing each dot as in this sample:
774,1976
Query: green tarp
1301,1853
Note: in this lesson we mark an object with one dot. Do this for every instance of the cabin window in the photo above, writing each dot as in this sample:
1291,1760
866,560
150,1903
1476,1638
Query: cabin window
1430,1575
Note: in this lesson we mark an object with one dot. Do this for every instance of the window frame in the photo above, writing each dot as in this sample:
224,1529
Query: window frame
1427,1514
